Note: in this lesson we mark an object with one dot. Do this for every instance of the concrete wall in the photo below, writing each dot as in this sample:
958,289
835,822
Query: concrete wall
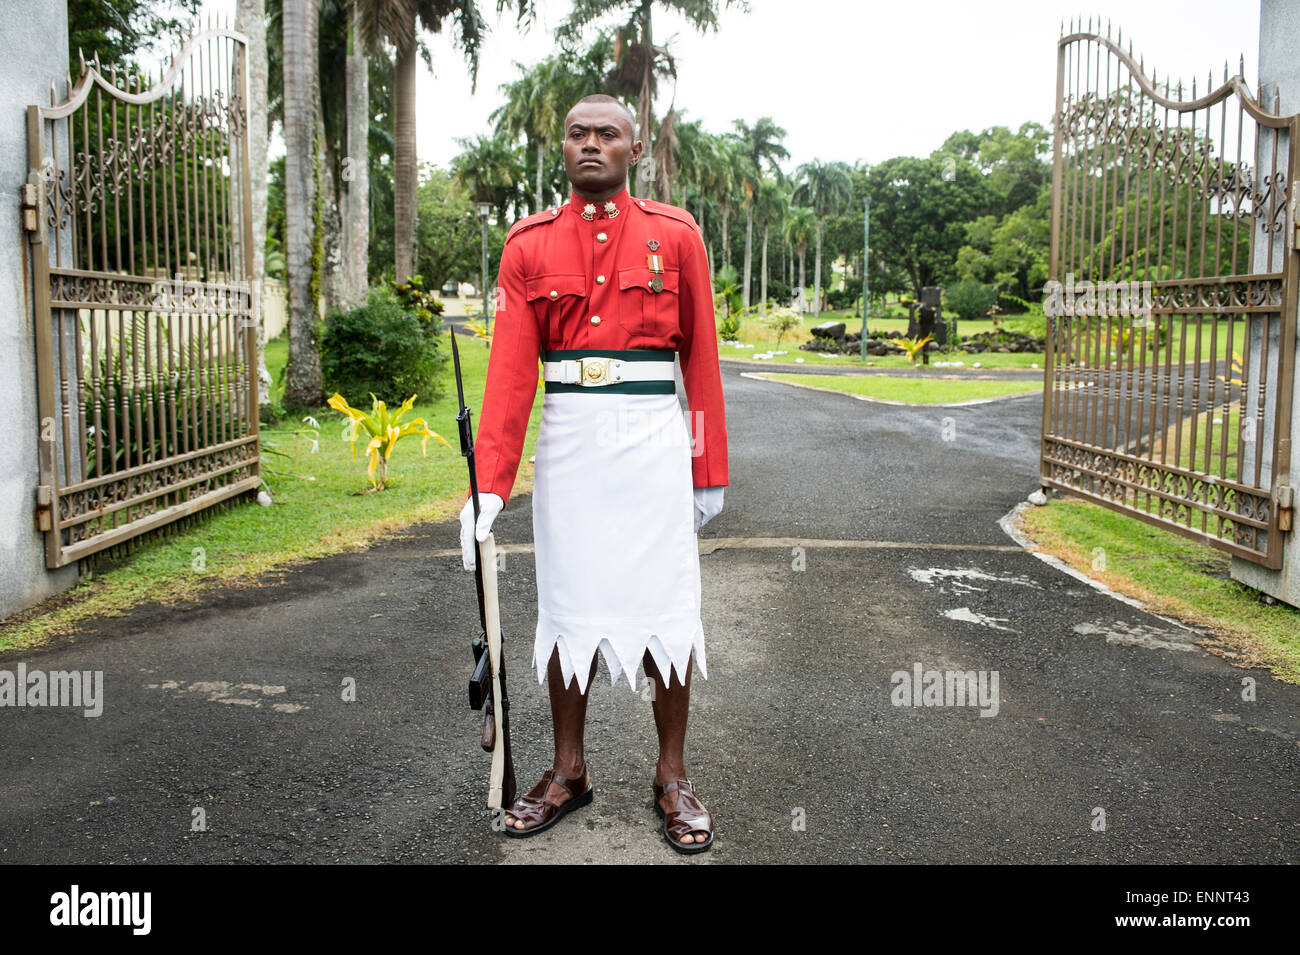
33,53
1279,70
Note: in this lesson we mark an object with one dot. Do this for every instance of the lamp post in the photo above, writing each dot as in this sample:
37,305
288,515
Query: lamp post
866,261
483,209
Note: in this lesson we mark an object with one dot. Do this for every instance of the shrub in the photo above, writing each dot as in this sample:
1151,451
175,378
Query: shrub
381,430
418,301
782,321
846,297
728,328
969,299
381,349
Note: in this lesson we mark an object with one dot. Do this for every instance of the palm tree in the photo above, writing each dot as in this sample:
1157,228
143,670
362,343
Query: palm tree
694,151
491,168
728,177
639,60
762,145
800,228
250,20
770,207
537,102
303,385
396,22
356,168
826,188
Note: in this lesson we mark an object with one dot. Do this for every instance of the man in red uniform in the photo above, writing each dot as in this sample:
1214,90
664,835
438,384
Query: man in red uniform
604,289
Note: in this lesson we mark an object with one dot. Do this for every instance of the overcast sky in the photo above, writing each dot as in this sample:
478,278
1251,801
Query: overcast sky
853,79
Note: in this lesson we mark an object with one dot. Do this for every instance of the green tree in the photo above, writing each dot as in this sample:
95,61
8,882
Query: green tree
826,189
491,168
1016,164
762,148
115,30
639,61
771,205
303,385
800,228
919,215
536,105
395,21
447,232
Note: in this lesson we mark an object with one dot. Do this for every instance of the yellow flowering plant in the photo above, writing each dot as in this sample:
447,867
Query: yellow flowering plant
912,346
385,429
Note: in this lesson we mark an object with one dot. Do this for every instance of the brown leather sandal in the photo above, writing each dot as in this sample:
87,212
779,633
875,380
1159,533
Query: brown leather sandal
686,815
539,813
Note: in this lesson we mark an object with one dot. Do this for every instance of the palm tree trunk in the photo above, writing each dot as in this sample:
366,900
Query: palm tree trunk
817,275
726,243
356,173
405,171
331,238
803,271
250,19
763,281
644,100
541,160
303,375
749,254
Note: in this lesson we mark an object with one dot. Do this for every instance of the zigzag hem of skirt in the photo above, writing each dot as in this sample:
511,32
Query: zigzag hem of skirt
668,638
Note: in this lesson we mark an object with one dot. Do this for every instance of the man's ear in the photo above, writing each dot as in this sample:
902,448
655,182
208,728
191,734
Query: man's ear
636,153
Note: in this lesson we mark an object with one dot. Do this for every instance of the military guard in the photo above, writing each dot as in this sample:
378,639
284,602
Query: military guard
604,290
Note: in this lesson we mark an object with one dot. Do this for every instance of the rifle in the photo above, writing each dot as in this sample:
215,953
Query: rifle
487,687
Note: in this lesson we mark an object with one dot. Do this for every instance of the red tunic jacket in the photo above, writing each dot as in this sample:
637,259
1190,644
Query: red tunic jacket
569,283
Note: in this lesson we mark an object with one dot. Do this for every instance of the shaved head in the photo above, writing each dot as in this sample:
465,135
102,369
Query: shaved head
603,98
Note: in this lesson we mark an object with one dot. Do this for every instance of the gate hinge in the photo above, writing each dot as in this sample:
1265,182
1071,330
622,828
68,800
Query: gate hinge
1293,220
1285,506
30,207
44,507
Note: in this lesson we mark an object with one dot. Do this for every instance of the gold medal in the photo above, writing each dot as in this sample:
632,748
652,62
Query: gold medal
656,284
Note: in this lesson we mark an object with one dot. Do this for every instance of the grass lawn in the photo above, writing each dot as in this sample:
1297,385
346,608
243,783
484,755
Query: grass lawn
755,333
316,512
921,391
1173,575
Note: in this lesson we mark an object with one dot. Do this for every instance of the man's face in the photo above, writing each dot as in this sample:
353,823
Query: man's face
598,149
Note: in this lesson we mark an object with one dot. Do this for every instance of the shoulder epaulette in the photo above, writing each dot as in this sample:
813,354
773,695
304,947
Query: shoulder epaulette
536,219
664,209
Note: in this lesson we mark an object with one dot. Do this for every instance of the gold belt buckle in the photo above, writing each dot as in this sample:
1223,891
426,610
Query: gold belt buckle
594,371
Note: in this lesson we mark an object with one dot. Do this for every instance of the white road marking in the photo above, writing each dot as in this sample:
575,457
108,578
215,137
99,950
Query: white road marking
220,691
959,579
1138,635
968,615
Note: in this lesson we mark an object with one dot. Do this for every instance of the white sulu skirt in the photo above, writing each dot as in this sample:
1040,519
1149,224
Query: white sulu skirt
618,567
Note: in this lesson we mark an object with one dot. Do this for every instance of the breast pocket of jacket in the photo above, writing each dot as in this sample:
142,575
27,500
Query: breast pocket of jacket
554,296
641,309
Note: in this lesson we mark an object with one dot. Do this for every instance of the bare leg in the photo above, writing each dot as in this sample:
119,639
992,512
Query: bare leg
672,701
568,719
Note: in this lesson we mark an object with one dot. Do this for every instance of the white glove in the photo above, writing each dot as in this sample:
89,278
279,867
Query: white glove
708,505
490,505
